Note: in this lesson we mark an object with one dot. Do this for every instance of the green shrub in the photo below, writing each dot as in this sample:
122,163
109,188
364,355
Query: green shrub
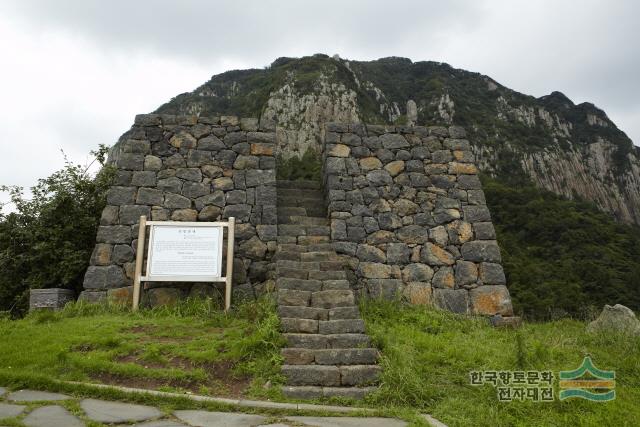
47,241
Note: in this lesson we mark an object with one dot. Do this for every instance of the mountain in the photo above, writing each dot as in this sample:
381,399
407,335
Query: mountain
572,150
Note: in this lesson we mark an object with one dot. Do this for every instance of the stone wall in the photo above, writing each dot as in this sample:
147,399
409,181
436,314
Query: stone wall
407,208
188,168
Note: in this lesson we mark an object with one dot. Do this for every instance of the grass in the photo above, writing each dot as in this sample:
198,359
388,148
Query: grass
190,347
427,356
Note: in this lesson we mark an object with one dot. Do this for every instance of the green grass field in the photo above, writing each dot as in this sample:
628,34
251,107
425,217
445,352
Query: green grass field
426,355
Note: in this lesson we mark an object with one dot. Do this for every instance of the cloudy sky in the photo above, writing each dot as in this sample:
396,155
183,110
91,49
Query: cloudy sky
75,72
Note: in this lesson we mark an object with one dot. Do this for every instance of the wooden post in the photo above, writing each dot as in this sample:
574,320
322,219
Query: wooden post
229,273
139,259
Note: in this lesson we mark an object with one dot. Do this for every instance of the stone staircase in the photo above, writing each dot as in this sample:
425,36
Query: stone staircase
327,352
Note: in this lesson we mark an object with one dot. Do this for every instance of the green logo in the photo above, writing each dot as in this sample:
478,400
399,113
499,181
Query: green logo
588,382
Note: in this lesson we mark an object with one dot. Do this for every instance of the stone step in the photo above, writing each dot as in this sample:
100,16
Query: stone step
303,230
309,193
330,375
320,341
321,299
316,313
314,392
300,184
293,247
313,285
312,240
339,356
323,327
319,256
309,265
328,275
298,265
298,284
291,211
299,312
302,219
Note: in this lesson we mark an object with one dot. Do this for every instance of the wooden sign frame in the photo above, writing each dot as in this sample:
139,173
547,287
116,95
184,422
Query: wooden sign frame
138,278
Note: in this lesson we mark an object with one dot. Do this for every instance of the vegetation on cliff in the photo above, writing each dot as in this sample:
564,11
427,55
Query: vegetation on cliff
562,256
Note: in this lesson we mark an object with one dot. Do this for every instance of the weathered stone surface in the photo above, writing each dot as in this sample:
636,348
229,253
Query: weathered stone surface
187,215
379,177
226,419
332,299
298,356
476,213
481,250
104,277
492,274
443,278
456,300
393,141
417,273
490,300
121,196
209,213
309,326
101,254
370,253
149,196
615,319
359,374
143,179
253,248
418,293
349,356
395,167
348,422
176,201
413,234
466,273
8,410
183,140
312,375
341,326
152,163
484,231
120,296
294,297
162,296
35,396
93,297
131,214
52,416
116,412
434,255
374,270
384,288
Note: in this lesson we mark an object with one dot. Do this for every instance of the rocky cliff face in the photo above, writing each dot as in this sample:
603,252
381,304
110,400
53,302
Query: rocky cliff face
573,150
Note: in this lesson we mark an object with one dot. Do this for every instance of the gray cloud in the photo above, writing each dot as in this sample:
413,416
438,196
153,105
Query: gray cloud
82,68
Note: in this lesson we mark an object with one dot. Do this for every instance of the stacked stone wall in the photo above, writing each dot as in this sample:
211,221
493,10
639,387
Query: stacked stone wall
408,209
188,168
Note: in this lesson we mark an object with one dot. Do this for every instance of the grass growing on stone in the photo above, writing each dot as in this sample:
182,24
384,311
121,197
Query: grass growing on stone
190,347
427,356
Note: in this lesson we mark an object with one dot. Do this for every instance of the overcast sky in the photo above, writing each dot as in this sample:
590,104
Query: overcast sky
75,72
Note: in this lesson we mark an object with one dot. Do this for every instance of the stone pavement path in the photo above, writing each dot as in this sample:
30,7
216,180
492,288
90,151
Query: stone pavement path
44,409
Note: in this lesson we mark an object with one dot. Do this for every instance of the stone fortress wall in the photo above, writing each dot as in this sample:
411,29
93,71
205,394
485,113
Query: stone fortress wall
187,168
406,206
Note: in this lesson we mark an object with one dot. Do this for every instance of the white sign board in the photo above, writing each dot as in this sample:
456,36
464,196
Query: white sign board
191,253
